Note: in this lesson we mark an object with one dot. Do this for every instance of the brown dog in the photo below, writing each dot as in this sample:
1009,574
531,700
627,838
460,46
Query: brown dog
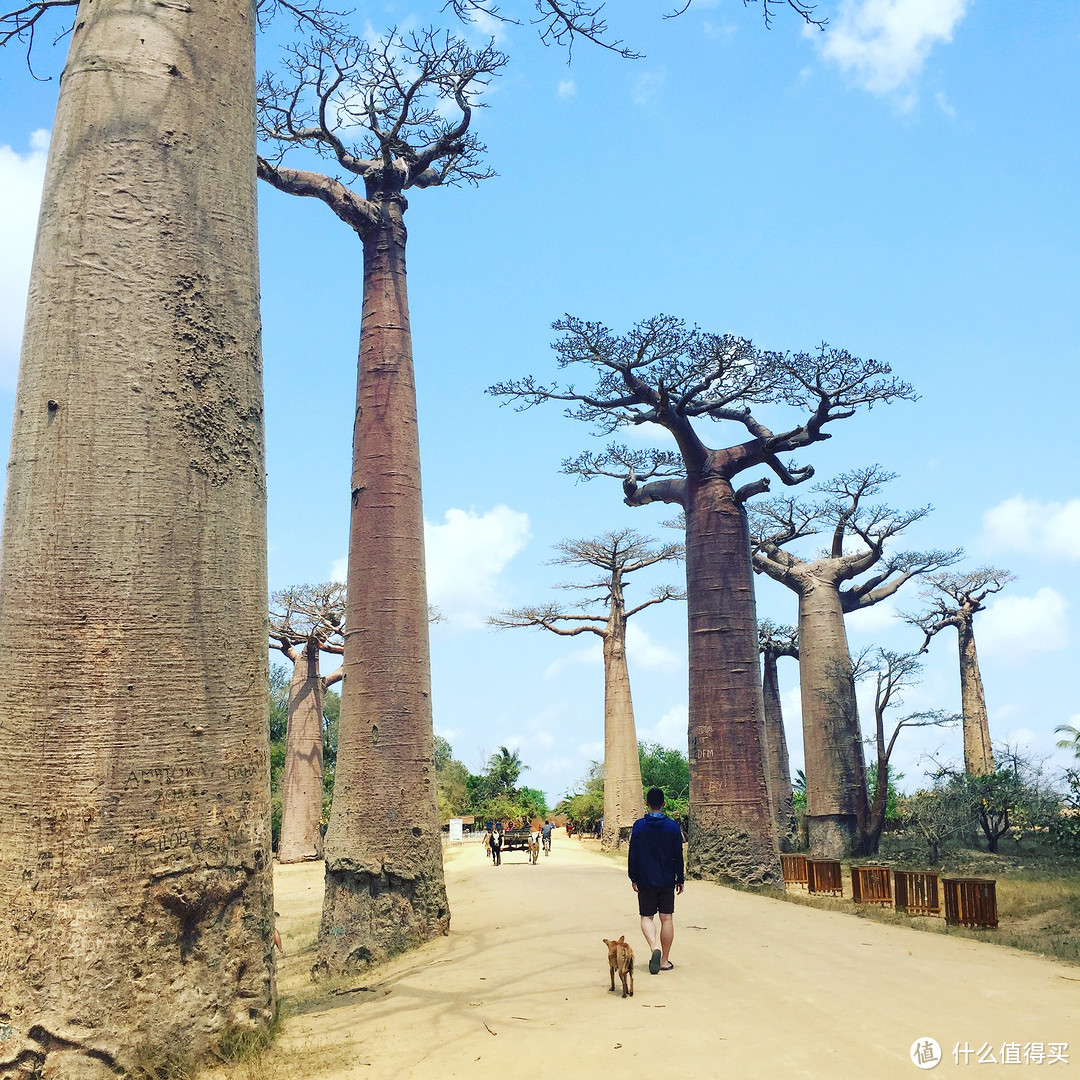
620,957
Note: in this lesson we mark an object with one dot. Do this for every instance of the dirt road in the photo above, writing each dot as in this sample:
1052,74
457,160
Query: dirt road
761,988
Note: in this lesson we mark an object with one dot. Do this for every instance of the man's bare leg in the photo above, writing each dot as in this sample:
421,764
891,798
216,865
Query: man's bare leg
667,935
648,928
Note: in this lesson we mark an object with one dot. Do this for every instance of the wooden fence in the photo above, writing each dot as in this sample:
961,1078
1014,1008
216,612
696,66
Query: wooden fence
871,885
794,868
970,902
967,901
824,876
917,892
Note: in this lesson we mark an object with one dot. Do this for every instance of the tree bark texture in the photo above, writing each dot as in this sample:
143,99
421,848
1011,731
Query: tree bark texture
730,829
978,754
837,808
777,766
302,784
384,874
135,875
623,797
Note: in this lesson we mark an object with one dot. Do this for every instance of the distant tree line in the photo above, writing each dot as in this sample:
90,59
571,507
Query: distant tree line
494,793
661,766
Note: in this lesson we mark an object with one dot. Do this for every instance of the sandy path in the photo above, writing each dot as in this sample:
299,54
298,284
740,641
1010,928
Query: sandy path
761,988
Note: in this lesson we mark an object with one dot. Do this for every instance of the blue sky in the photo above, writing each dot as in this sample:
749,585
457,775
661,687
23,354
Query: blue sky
904,185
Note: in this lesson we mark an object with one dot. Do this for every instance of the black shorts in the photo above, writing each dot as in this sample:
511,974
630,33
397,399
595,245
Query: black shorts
650,900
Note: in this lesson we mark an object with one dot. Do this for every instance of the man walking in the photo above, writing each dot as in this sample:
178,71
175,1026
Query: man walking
655,867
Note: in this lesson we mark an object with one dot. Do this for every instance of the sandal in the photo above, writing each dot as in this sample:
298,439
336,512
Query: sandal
654,962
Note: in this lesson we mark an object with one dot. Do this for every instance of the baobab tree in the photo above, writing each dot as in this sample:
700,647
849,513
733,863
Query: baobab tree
774,642
666,373
135,878
954,600
837,807
893,673
305,621
615,554
378,112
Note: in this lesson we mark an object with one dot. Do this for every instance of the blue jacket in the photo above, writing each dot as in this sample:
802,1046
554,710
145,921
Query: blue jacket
656,852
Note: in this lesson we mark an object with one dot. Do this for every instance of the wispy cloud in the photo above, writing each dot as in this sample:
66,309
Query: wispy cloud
645,653
883,44
944,105
567,88
21,177
872,620
1016,626
1033,527
670,729
717,30
489,25
466,552
590,654
646,88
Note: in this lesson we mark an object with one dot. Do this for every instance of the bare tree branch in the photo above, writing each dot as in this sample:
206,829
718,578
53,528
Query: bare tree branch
380,111
303,612
616,554
775,523
955,599
778,640
667,373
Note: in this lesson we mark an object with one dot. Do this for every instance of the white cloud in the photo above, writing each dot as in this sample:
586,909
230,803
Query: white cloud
884,43
1014,626
558,766
717,30
948,110
590,654
642,652
649,434
21,177
567,88
646,87
670,729
873,619
465,555
645,653
543,739
489,25
1033,527
594,751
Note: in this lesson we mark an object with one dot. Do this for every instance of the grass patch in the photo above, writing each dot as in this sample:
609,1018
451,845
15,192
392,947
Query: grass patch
236,1046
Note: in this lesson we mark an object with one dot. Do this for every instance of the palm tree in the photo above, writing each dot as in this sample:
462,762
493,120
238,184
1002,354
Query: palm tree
504,768
1072,742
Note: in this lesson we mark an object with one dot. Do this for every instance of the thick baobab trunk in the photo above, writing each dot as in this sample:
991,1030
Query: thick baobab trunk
384,873
837,809
978,755
731,830
777,767
135,875
623,797
302,784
